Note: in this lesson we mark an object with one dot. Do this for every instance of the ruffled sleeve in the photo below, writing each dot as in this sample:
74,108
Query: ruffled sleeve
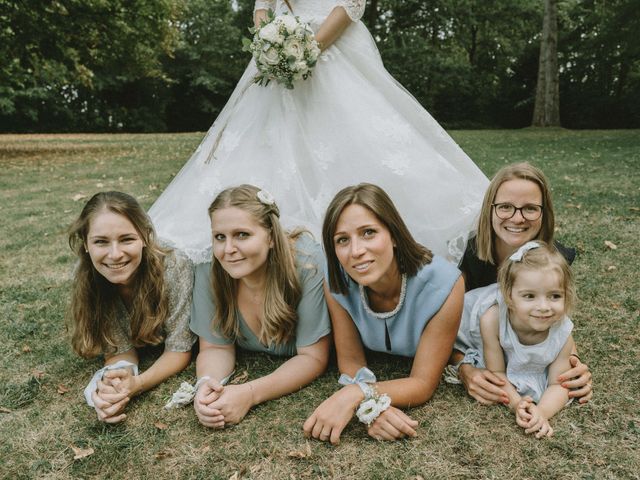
265,5
354,8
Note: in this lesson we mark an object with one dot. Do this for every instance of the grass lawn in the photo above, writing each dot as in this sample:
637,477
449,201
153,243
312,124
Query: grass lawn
44,181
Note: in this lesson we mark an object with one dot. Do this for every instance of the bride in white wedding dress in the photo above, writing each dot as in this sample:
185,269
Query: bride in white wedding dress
350,122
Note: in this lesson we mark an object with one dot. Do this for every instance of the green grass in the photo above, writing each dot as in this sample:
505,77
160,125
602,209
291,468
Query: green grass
594,175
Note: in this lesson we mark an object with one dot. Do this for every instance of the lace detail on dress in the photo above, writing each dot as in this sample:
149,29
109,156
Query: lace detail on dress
264,5
354,8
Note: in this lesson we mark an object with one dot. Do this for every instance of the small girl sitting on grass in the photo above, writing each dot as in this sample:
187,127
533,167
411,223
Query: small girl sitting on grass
526,333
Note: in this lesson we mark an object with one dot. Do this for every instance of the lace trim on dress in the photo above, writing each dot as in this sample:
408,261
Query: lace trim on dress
354,8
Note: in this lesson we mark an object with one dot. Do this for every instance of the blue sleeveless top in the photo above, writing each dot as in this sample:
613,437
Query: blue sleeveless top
425,294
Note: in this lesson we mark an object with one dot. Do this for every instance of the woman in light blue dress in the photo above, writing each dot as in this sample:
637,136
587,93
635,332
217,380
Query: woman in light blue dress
262,291
390,294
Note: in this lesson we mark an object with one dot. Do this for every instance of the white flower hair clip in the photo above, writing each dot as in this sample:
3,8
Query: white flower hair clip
265,197
518,254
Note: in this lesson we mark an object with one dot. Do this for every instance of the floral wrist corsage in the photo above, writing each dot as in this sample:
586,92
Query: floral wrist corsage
371,408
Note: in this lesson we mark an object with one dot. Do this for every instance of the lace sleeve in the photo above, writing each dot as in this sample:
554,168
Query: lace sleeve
265,5
354,8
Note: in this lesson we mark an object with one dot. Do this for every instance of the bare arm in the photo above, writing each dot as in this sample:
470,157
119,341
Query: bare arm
236,400
332,27
494,356
214,360
168,364
432,354
217,362
259,16
293,374
332,415
556,396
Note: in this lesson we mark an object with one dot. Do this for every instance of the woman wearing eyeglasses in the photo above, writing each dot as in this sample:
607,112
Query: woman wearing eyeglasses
517,208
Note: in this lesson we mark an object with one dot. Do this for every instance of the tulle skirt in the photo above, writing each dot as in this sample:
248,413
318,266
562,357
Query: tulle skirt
351,122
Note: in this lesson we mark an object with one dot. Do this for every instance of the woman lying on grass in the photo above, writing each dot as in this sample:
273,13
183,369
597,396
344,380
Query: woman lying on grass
262,292
517,208
390,294
128,293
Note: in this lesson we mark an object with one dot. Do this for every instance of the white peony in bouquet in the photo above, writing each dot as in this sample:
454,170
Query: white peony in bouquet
284,49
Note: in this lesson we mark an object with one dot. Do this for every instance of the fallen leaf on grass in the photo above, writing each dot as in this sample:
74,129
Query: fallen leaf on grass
573,205
302,453
162,454
4,410
62,389
610,245
37,374
611,268
78,196
26,349
205,449
99,185
160,425
81,452
235,476
634,209
240,378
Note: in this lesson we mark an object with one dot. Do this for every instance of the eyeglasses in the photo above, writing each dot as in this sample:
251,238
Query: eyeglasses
505,211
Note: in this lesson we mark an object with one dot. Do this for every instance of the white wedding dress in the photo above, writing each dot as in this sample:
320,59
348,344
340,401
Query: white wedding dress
350,122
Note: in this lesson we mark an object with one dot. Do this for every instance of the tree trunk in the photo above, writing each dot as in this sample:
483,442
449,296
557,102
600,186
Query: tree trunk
546,112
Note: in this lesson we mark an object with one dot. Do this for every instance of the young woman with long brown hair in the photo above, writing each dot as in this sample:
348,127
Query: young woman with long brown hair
128,292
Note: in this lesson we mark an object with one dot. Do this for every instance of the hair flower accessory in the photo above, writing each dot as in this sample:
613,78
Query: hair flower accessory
265,197
518,254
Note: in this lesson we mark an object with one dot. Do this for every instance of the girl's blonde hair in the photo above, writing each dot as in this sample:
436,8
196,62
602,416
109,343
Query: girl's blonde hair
92,312
541,258
409,254
283,291
485,238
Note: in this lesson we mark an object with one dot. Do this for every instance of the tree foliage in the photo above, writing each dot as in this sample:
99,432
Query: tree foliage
158,65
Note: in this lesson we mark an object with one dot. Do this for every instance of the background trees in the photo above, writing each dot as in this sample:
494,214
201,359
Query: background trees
170,65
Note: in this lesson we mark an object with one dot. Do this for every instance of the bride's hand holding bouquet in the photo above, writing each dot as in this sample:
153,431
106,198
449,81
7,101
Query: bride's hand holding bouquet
284,49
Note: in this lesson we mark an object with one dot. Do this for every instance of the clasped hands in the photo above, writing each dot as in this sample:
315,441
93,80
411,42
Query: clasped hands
217,405
529,417
113,393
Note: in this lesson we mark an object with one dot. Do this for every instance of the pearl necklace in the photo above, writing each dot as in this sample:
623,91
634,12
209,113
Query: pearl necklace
385,315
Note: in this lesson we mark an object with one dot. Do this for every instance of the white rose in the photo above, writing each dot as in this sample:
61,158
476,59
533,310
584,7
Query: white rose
301,67
293,48
270,33
289,23
269,56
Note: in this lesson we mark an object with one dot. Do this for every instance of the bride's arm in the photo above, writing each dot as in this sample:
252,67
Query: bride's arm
260,10
345,12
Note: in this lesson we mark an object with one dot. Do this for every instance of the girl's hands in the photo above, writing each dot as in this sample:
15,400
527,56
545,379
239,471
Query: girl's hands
529,417
233,403
329,419
482,384
208,393
577,380
392,424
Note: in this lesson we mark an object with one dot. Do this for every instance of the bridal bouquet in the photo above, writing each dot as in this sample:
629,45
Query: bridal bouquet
284,49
